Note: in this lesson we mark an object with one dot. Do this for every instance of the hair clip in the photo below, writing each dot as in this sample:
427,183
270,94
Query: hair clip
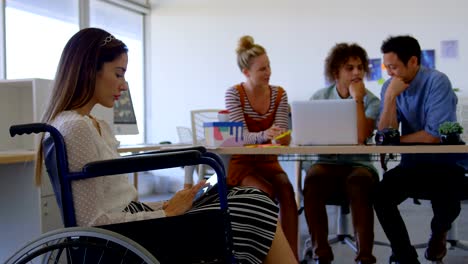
107,40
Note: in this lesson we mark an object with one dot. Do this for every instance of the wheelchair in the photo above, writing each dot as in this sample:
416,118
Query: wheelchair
120,243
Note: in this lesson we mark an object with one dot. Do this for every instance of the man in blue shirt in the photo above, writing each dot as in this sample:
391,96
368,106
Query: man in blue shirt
419,99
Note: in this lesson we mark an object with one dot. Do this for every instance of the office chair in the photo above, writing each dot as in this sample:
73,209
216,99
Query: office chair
184,134
186,137
116,243
198,117
343,222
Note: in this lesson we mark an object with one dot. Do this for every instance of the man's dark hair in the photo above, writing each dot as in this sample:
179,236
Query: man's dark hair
340,54
403,46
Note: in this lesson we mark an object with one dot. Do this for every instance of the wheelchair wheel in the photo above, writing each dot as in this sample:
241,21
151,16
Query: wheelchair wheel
82,245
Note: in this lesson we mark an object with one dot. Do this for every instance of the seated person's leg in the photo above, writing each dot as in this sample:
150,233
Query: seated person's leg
360,185
254,220
280,251
390,192
259,174
321,182
259,183
446,191
284,193
278,186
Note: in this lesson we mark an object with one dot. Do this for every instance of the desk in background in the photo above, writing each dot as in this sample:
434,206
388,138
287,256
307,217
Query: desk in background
16,156
348,149
293,153
26,155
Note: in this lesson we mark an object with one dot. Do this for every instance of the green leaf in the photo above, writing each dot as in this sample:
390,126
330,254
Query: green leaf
450,127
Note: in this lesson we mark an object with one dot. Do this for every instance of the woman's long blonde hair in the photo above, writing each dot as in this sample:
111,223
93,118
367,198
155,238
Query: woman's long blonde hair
246,50
83,56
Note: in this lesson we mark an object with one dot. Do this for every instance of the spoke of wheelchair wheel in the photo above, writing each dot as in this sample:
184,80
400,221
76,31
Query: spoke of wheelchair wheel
69,256
57,259
102,255
123,257
84,257
59,254
103,251
53,258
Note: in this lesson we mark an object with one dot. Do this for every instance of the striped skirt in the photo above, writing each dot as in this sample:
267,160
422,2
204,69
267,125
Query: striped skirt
254,217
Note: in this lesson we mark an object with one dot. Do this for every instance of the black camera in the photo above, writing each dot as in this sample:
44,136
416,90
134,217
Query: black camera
387,136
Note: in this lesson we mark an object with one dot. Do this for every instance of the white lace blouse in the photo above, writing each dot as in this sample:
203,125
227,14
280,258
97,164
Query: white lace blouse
100,200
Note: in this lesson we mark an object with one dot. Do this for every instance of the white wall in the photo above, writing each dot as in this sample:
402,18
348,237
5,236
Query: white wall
193,46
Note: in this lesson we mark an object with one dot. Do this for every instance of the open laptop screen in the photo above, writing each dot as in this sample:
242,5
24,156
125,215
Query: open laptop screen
324,122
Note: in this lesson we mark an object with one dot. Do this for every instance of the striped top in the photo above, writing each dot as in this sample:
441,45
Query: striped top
236,114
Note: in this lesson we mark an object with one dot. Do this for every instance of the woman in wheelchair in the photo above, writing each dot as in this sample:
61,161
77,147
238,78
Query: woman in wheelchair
92,71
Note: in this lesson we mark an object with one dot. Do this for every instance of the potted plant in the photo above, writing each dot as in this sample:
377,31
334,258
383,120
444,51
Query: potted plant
450,133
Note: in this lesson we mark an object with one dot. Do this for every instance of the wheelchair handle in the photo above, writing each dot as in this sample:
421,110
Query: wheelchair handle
28,129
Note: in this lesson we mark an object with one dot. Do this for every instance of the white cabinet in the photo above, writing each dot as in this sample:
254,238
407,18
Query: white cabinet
26,210
21,101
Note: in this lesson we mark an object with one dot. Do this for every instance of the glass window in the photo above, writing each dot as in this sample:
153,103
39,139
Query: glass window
128,28
36,32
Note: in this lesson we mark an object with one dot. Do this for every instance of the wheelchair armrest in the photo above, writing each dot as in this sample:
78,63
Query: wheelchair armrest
142,162
200,149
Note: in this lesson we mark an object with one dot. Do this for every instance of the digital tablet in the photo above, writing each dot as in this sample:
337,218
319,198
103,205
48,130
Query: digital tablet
210,183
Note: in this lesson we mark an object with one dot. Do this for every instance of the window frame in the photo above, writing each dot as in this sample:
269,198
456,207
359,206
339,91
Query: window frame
140,6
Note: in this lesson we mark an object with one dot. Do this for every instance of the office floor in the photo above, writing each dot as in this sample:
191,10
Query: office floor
417,218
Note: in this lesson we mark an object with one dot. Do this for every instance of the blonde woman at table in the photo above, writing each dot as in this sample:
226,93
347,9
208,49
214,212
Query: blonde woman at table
92,71
344,177
263,109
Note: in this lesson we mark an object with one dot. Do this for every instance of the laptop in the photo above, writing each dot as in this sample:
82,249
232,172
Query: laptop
324,122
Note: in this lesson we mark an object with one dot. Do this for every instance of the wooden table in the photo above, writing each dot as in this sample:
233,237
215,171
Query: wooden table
350,149
22,155
16,156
